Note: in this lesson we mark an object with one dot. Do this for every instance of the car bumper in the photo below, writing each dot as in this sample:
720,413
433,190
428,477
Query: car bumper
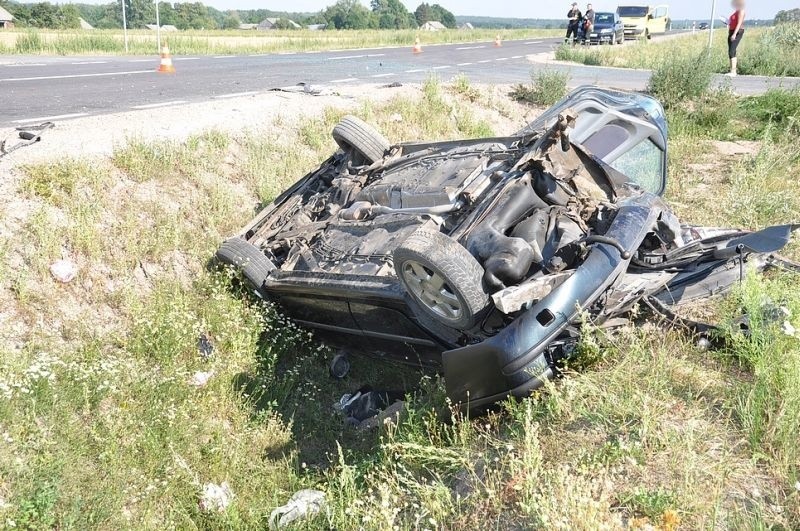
631,33
519,360
601,37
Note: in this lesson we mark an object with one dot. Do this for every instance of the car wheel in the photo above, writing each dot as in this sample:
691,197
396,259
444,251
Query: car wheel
356,135
647,35
247,258
613,39
443,279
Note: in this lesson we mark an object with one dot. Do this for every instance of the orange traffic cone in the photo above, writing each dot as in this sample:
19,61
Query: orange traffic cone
498,41
166,66
417,46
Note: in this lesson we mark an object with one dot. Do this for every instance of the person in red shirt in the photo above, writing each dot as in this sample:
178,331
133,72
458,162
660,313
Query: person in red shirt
735,33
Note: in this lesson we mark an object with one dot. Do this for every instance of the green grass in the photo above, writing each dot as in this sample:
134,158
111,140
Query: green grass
547,87
197,42
101,426
766,52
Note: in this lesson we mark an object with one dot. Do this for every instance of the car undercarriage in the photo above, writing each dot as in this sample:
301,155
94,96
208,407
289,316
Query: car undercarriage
482,256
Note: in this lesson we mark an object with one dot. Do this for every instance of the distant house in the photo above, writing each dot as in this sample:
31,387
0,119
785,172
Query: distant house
248,26
433,25
466,26
85,25
276,23
6,19
317,27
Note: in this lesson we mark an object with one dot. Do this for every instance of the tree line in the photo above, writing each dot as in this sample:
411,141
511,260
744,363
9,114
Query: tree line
344,14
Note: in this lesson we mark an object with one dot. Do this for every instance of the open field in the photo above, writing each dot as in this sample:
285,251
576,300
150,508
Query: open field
142,42
766,52
105,424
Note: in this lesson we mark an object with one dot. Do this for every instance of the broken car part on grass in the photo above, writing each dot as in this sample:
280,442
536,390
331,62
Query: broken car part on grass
481,257
28,135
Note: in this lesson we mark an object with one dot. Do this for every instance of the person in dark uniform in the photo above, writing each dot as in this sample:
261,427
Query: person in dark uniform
574,21
735,34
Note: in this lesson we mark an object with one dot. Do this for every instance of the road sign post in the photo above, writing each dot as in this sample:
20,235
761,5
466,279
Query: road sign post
711,25
125,25
158,30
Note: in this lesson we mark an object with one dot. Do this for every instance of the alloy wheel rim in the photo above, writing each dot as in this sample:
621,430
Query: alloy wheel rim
432,290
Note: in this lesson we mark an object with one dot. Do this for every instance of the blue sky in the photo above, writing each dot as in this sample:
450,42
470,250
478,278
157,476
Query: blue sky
527,8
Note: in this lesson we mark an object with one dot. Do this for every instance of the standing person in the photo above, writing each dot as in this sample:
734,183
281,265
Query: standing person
574,18
588,22
735,34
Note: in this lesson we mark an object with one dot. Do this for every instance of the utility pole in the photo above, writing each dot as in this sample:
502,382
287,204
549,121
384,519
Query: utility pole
158,30
125,25
711,25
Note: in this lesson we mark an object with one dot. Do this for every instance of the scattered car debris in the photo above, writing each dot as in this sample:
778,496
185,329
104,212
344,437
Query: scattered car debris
303,504
201,379
64,270
480,257
205,346
28,135
366,404
215,498
306,88
789,329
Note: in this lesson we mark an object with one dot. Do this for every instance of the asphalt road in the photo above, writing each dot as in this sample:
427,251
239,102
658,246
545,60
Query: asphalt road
35,89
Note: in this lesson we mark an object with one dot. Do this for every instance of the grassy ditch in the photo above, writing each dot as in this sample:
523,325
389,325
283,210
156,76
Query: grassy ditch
105,423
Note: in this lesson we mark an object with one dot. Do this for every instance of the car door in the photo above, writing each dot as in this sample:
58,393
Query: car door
619,27
625,130
660,15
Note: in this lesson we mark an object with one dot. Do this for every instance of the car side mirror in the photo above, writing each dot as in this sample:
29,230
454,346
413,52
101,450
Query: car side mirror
650,16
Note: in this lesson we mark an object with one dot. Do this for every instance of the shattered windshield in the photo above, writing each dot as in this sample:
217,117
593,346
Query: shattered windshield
633,12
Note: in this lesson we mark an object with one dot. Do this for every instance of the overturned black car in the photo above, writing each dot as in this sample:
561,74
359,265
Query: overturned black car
479,256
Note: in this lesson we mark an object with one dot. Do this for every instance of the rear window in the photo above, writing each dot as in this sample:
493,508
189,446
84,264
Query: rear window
604,17
633,12
644,165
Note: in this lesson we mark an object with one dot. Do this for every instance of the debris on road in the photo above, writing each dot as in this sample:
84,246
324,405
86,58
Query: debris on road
306,88
64,271
303,504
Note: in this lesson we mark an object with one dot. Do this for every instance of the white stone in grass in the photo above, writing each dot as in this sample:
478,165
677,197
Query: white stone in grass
216,498
201,379
64,271
396,118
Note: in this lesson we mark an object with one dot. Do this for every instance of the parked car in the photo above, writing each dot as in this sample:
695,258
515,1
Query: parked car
704,26
608,28
644,21
479,256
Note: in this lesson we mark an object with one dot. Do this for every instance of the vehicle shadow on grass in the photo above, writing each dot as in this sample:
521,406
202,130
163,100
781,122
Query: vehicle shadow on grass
295,383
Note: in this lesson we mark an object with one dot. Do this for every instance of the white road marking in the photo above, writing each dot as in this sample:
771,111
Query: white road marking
342,57
534,42
102,74
234,95
384,75
470,47
156,105
445,67
415,71
223,56
502,59
463,64
27,64
518,57
484,61
187,58
348,80
51,118
90,63
143,60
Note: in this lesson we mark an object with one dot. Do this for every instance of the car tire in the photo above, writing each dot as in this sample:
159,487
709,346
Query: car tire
354,134
613,40
443,279
247,258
